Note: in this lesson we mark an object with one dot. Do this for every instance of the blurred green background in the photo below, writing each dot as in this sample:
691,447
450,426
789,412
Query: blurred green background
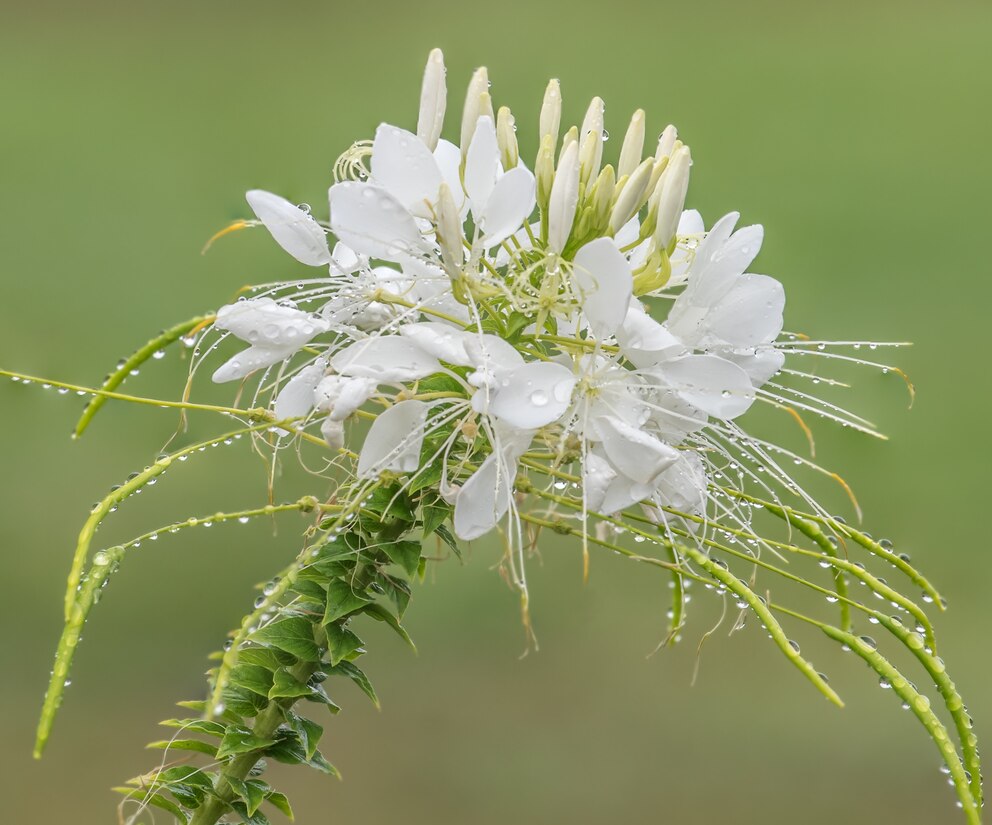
857,133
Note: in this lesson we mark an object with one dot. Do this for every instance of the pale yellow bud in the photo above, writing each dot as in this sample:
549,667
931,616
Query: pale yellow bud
671,197
666,142
571,136
506,137
449,231
591,141
633,195
433,99
550,122
476,105
544,171
632,150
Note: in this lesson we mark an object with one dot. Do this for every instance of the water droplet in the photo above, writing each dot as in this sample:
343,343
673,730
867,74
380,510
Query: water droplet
884,683
539,398
243,519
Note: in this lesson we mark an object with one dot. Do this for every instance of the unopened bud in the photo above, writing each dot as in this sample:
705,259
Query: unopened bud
449,230
506,136
433,99
601,198
544,171
571,136
671,197
477,104
633,195
666,142
591,141
550,121
632,150
564,198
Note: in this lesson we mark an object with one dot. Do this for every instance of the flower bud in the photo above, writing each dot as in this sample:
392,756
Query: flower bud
564,198
633,195
671,197
666,142
571,136
601,198
591,141
544,171
449,230
506,137
633,146
477,104
433,98
550,121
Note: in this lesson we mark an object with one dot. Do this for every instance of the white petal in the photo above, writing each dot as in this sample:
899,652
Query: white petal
534,395
484,499
340,396
386,358
635,453
293,229
604,283
296,398
750,313
597,475
344,259
449,160
402,164
624,492
373,222
442,341
643,340
333,432
263,322
394,440
249,360
691,223
492,353
481,165
716,386
760,365
510,204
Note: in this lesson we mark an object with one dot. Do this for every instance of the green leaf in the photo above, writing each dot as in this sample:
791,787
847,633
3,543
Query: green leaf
341,642
155,799
445,535
286,685
434,514
256,818
242,702
293,634
439,382
239,740
311,590
308,731
251,792
197,725
429,475
390,503
379,613
184,745
256,678
342,599
290,750
279,800
404,553
357,676
267,657
396,589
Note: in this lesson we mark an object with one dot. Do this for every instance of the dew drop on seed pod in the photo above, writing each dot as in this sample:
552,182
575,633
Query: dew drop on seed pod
884,683
159,354
868,642
794,645
243,519
560,485
873,619
259,602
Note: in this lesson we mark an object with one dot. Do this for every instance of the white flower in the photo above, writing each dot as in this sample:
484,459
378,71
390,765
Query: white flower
394,440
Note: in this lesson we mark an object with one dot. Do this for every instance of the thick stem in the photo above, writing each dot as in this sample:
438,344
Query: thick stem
238,768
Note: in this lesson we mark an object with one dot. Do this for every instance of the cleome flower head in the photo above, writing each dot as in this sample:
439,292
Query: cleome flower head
568,328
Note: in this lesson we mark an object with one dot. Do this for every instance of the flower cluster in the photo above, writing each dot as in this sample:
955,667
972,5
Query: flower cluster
484,314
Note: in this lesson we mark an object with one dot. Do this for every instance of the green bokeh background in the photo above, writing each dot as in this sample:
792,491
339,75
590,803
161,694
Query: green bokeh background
856,133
